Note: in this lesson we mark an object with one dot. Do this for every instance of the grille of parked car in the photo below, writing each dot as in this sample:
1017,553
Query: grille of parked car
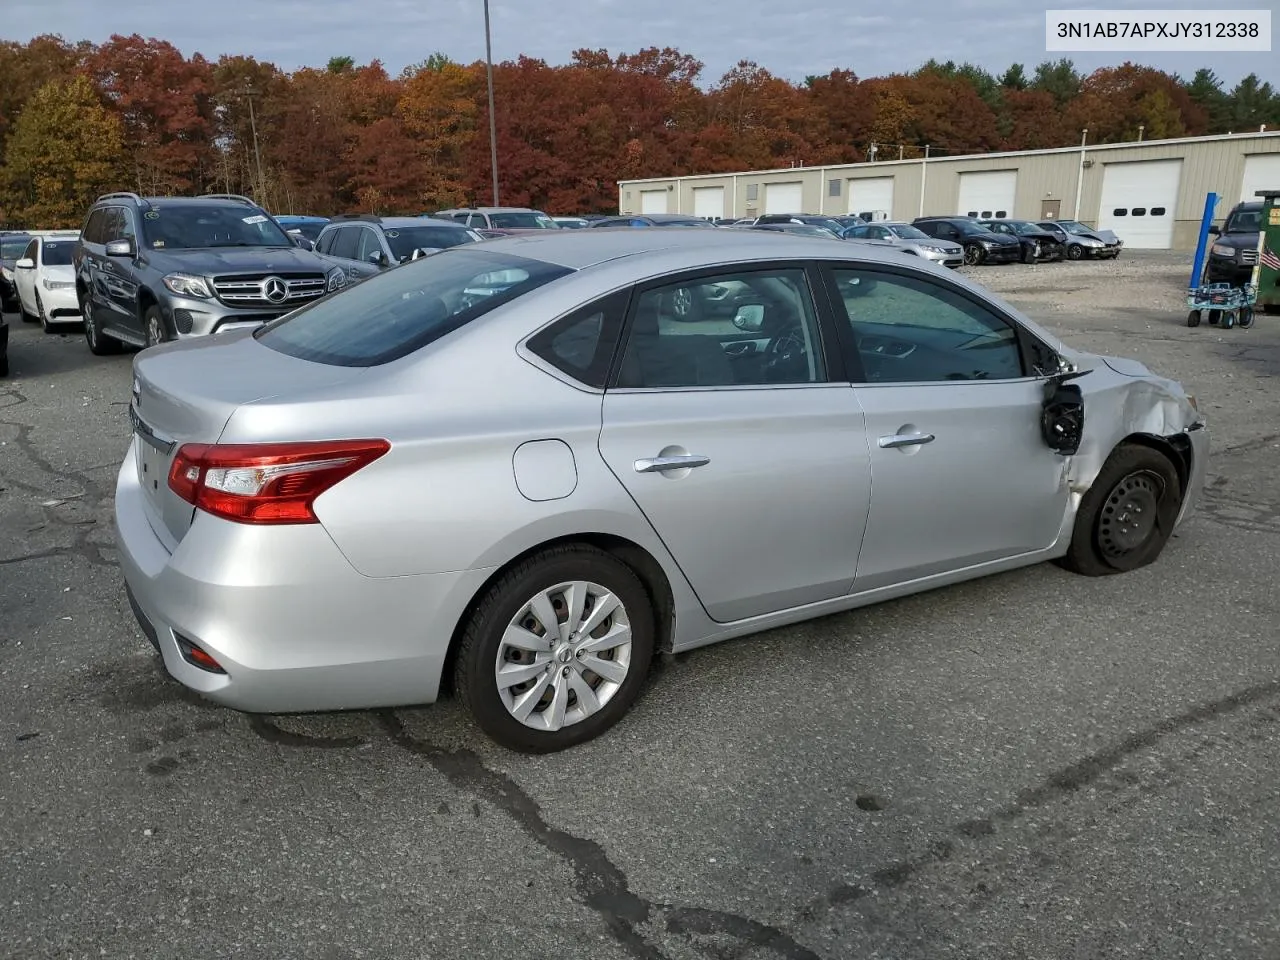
1248,255
258,290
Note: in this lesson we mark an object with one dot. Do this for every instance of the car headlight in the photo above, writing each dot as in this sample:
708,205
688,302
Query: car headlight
186,285
1222,250
56,284
337,279
1091,242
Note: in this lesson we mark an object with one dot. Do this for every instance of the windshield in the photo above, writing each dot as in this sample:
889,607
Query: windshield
309,228
683,223
192,226
908,232
523,221
397,312
1022,227
11,247
1073,226
1244,221
57,253
404,240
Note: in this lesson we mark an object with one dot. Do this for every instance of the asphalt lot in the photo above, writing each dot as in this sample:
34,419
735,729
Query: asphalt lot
1035,766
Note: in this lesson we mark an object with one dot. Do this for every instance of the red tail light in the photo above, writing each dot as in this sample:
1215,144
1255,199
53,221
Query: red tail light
266,482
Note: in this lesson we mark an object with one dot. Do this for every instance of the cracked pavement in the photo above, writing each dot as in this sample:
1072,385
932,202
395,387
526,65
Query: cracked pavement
1033,766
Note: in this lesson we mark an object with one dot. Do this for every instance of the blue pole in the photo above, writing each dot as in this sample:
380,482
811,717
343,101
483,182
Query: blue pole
1197,268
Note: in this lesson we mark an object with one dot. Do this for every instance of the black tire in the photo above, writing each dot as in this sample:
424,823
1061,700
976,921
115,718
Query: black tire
1133,477
1075,252
99,343
974,254
1228,319
1246,318
26,317
153,325
4,365
474,679
1193,318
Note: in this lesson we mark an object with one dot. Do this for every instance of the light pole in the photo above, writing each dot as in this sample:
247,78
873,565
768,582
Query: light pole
493,124
249,94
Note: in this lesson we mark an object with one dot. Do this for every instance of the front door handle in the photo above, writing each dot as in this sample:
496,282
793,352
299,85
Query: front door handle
905,440
662,464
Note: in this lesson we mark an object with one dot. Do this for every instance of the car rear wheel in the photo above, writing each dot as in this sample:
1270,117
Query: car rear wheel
99,343
557,650
1075,251
684,304
1127,516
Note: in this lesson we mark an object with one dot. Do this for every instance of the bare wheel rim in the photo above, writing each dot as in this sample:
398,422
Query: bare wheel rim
564,655
1131,514
155,332
682,302
972,254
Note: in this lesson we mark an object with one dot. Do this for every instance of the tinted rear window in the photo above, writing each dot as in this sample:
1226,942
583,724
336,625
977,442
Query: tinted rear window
57,253
404,240
397,312
11,247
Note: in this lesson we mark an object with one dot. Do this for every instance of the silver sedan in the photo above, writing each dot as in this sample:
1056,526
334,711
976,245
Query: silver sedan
522,467
908,239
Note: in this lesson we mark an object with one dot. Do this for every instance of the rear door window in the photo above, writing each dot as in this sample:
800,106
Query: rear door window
396,312
345,243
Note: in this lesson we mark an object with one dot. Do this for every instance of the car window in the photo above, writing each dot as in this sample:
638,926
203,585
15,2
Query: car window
911,329
737,329
521,220
325,240
125,225
32,249
582,344
396,312
368,244
345,243
192,226
404,240
93,226
113,228
1244,221
57,253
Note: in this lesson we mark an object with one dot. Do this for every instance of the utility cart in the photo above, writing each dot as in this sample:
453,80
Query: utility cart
1222,304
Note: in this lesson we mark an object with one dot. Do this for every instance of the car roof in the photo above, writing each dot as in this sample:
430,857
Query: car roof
1247,205
577,250
504,210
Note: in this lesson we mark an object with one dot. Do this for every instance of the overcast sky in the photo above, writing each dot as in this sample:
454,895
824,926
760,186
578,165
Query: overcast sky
792,38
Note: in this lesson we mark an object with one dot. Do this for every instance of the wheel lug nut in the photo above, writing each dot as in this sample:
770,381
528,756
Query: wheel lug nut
566,671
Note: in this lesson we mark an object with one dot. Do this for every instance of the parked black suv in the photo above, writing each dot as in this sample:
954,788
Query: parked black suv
164,268
1235,248
363,244
980,244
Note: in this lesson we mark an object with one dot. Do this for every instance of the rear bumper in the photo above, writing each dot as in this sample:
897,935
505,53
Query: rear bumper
293,624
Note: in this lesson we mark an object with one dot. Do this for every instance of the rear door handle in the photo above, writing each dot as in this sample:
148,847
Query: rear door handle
905,440
662,464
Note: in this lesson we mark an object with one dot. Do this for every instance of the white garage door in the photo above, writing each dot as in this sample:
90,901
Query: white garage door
871,194
1261,172
783,197
988,194
708,201
653,201
1138,202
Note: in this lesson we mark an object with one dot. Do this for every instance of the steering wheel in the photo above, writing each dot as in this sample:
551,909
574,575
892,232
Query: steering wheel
784,353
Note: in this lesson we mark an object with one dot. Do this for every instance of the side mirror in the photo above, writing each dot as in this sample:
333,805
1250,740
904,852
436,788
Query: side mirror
26,263
749,317
1215,231
121,248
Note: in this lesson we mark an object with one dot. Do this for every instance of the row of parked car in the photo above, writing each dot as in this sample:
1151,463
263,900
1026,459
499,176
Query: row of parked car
146,270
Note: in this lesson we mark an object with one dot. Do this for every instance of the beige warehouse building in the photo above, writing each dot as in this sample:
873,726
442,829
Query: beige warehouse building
1151,194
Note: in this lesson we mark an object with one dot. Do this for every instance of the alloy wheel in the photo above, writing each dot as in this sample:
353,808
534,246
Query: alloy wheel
155,330
564,655
681,302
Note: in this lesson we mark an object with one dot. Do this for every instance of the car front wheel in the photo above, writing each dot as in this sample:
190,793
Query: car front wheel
1075,252
557,650
973,254
1127,516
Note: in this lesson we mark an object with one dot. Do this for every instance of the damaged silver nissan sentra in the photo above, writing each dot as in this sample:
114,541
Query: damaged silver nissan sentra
522,467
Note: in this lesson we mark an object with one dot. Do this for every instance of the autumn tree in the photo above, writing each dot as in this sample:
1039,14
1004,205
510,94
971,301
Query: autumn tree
28,67
440,112
65,149
165,102
1115,101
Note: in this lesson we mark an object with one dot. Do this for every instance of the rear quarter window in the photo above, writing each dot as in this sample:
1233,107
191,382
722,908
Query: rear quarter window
397,312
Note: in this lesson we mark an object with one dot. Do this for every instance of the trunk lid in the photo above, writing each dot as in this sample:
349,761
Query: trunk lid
186,392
